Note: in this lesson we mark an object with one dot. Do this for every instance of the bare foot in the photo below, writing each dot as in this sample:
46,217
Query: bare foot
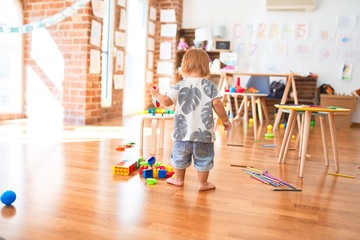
174,181
206,186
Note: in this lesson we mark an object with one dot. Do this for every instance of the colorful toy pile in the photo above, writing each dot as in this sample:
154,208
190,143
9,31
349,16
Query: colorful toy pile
152,169
149,169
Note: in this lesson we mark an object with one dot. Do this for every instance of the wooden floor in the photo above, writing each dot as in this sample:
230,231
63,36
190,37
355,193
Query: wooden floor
65,187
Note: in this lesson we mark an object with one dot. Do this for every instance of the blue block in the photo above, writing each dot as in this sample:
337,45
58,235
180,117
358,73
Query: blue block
148,173
151,161
162,173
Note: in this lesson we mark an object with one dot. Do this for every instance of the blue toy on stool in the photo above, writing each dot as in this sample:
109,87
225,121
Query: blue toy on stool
8,198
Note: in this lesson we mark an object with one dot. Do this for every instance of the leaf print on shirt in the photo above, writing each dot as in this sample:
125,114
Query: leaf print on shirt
180,127
209,88
201,136
207,116
189,99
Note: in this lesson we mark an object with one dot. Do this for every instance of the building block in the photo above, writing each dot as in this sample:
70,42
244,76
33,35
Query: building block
148,173
126,167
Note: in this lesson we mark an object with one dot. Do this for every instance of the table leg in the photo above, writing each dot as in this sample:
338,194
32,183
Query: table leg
142,134
323,136
154,123
253,106
304,144
286,134
259,110
287,144
246,110
289,81
333,140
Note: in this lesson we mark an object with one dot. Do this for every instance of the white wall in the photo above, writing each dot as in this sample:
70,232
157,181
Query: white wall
207,13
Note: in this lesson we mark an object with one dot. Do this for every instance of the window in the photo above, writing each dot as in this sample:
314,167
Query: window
107,57
11,59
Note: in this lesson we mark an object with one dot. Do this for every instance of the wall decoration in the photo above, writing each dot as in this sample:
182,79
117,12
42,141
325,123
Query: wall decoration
48,21
98,7
119,60
152,13
326,54
95,61
346,22
95,37
118,81
302,31
165,50
167,15
168,30
346,71
120,39
123,20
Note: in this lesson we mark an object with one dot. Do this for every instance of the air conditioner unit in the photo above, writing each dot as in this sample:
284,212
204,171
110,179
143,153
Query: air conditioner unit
290,5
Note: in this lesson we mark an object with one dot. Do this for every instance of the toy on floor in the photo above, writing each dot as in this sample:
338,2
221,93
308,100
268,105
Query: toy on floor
8,197
266,178
153,169
126,167
123,147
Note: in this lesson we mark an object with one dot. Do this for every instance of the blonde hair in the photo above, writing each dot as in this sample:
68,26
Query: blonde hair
195,61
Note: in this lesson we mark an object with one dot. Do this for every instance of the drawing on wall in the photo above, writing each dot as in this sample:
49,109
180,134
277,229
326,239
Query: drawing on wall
326,35
98,7
151,28
287,31
119,61
152,13
121,3
150,61
238,30
168,30
149,76
95,37
346,71
326,54
302,50
120,39
346,22
151,44
95,60
241,48
167,15
279,49
302,31
253,48
351,55
262,31
123,21
165,50
118,81
347,40
274,31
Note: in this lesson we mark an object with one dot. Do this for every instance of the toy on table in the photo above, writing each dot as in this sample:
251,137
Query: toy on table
123,147
8,197
182,44
153,169
238,88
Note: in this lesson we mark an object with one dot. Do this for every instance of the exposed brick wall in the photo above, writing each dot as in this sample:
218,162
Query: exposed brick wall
81,92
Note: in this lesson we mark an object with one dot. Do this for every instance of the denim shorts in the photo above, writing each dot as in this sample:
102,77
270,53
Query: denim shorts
202,153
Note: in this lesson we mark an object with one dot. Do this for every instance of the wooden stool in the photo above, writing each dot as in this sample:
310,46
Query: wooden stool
157,120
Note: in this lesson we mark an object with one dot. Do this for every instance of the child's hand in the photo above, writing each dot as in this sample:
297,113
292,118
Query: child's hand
154,90
227,125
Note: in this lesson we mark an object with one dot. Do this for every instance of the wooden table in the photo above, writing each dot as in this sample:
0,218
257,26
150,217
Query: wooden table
228,76
304,131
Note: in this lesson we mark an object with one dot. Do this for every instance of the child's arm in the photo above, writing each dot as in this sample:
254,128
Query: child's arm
161,98
220,111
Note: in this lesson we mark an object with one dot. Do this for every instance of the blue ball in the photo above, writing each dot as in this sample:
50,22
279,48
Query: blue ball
8,198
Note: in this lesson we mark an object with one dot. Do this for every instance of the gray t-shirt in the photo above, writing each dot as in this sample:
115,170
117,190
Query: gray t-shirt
193,120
